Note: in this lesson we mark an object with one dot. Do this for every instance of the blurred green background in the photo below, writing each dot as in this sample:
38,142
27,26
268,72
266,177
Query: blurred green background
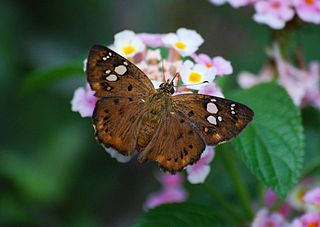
52,172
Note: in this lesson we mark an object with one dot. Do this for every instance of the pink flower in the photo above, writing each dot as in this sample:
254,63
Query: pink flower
240,3
198,172
171,192
274,13
222,66
308,10
301,84
269,200
211,89
264,219
307,220
151,40
233,3
247,80
83,101
313,196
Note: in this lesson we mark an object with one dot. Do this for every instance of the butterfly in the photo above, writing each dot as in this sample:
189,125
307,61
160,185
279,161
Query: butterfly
132,116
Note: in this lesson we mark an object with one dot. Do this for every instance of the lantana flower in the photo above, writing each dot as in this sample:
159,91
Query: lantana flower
308,10
211,89
185,41
313,196
198,172
127,43
194,74
307,220
172,191
274,13
270,199
264,219
233,3
83,101
116,155
221,65
151,40
303,85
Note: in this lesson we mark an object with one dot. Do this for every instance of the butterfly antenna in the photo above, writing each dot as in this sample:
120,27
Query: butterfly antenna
163,76
176,75
204,82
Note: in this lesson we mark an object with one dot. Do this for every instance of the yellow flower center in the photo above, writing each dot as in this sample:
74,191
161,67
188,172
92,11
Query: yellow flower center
309,2
180,45
129,49
195,77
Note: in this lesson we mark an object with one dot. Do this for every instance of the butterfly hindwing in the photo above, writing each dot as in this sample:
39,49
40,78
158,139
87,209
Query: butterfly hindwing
110,74
117,123
175,144
216,119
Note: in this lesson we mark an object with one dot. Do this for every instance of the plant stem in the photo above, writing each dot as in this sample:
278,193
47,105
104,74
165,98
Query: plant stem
237,183
222,202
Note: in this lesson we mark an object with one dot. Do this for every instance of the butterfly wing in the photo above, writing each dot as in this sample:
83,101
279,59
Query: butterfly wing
117,123
174,145
121,89
216,119
110,74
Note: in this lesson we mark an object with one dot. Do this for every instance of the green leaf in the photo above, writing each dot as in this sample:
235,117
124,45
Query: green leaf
272,146
182,214
43,78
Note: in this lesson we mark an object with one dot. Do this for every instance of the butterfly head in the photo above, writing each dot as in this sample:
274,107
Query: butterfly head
167,87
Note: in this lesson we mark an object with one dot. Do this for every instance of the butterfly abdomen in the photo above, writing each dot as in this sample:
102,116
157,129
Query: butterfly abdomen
156,107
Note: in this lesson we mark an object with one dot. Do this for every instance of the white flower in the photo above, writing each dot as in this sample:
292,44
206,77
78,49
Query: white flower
192,74
198,172
185,41
127,43
218,2
115,154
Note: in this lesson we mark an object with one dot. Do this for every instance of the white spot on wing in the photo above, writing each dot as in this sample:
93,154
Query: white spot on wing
212,108
212,120
232,112
219,118
120,69
108,71
213,100
112,77
104,58
126,63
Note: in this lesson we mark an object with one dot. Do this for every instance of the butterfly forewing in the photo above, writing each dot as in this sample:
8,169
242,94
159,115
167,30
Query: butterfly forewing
216,119
111,75
121,88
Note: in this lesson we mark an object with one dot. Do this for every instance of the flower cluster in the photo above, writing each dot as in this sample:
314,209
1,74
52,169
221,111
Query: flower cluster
172,191
303,207
159,55
302,84
276,13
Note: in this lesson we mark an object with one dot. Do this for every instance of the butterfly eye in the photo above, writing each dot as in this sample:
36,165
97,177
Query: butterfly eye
171,90
161,85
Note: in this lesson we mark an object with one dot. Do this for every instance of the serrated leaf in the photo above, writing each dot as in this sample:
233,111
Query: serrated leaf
182,214
43,78
272,146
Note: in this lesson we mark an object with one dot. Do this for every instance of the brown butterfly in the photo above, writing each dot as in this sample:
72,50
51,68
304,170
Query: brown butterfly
131,115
